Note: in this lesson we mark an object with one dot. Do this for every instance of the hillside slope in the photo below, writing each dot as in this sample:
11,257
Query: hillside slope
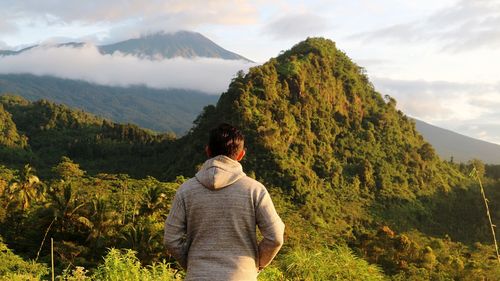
169,110
40,133
449,144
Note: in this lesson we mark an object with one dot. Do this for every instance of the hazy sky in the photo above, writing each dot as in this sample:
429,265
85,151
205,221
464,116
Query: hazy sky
437,58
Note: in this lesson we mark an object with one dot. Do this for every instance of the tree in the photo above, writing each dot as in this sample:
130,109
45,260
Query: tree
25,187
67,169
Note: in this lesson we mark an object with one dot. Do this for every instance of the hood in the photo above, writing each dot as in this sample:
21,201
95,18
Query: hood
219,172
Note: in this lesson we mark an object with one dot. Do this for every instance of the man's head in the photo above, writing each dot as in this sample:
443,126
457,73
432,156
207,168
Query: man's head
226,140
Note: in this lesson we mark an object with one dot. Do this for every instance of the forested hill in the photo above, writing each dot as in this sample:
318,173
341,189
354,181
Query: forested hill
314,123
40,133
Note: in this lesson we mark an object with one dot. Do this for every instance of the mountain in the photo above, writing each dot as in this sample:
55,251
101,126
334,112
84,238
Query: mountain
12,53
159,45
168,45
163,110
449,144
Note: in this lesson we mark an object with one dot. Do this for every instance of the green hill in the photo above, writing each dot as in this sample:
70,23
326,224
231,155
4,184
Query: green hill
319,131
342,158
41,132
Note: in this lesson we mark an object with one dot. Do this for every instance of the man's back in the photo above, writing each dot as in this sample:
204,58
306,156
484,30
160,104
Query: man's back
211,228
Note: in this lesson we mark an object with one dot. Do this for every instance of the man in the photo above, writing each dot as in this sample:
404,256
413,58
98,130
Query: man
211,227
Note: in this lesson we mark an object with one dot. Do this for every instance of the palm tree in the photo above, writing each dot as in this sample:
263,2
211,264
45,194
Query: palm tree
154,200
66,204
103,218
25,187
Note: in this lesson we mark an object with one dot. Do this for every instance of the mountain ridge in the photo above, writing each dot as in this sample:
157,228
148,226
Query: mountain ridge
461,148
159,45
162,110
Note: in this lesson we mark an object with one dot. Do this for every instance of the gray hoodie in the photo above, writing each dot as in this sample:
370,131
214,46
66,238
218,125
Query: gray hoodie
211,227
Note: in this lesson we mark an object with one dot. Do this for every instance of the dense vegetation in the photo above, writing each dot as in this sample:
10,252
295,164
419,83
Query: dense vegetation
170,110
40,133
363,195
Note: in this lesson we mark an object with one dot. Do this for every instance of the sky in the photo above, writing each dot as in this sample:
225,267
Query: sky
437,58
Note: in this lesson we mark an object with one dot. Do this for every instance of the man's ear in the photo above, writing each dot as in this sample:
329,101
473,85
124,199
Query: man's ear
241,155
208,151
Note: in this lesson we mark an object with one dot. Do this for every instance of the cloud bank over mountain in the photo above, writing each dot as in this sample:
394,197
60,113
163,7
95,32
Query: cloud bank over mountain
128,18
449,104
87,63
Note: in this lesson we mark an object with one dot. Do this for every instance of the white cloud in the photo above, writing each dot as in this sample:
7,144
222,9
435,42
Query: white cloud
3,45
178,13
296,26
465,25
7,26
86,63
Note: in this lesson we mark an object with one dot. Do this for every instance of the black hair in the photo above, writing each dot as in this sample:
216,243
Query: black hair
225,140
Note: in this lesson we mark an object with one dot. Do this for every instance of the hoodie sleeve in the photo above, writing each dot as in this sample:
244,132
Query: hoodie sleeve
175,231
272,229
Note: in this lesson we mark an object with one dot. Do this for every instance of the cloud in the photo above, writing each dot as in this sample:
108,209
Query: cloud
481,130
113,20
296,26
467,108
7,26
179,12
86,63
467,25
3,45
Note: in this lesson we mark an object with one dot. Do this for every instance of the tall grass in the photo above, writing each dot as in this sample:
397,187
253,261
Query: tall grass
123,265
337,263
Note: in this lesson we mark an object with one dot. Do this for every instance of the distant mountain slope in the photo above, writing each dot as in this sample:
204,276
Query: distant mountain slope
162,110
462,148
11,53
159,45
168,45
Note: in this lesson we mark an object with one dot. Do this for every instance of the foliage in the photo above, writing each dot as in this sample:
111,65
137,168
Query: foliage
13,267
415,256
337,263
85,215
53,131
124,266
